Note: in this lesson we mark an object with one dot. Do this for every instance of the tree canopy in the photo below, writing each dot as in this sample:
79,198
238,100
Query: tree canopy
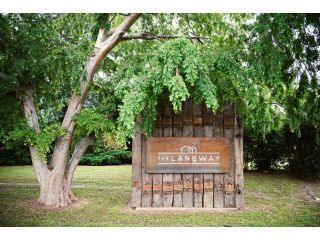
266,64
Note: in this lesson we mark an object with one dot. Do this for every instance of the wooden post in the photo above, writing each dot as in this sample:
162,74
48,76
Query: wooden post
167,178
187,132
218,177
207,177
198,177
157,178
146,178
136,168
177,178
238,144
229,177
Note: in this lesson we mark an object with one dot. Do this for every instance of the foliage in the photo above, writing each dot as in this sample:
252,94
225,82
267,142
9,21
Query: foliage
284,150
267,154
111,157
92,122
20,155
284,59
48,52
24,135
176,68
306,151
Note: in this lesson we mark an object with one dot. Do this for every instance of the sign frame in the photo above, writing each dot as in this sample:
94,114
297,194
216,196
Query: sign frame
188,155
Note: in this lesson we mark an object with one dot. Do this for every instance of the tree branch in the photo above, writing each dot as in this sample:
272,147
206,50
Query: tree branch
111,42
150,36
25,95
79,150
101,49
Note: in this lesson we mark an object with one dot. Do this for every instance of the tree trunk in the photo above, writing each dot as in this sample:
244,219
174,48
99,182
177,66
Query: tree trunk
79,150
54,191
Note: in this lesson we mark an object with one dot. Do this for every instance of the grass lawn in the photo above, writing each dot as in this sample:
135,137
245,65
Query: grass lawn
270,200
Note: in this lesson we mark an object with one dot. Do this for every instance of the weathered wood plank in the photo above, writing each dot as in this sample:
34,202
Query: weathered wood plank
177,124
229,177
208,190
167,190
218,190
238,141
177,190
229,191
167,121
157,190
197,190
187,112
167,178
146,178
187,132
177,178
218,124
157,178
197,121
218,200
187,190
197,178
136,168
207,177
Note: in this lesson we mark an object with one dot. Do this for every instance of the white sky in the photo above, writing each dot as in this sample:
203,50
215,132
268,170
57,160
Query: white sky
144,6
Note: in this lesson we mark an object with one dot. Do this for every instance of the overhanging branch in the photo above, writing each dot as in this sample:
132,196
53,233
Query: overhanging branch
149,36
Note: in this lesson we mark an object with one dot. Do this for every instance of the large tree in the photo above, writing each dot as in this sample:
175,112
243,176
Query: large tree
30,42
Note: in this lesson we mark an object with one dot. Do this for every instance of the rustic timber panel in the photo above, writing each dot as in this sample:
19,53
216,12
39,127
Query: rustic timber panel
190,189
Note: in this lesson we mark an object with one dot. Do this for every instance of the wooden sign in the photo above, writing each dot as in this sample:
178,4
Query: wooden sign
188,155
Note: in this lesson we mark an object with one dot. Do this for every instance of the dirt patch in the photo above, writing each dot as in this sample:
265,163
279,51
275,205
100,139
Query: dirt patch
36,206
310,191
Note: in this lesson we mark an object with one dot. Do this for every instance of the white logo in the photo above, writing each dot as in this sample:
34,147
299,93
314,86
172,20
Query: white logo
188,149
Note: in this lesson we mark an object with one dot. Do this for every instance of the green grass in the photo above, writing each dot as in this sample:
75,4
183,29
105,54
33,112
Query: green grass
270,199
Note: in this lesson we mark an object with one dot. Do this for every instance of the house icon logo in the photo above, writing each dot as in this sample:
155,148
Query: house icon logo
188,149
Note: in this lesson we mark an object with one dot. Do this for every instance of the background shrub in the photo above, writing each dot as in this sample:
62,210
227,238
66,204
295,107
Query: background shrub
111,157
18,156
